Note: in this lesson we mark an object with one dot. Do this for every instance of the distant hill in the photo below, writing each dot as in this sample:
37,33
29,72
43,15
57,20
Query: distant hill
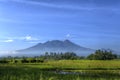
55,46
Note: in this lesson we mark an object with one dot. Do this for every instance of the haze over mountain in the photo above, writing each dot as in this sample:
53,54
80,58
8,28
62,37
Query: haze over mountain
55,46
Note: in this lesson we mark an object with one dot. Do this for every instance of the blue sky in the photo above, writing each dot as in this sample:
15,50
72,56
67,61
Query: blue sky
90,23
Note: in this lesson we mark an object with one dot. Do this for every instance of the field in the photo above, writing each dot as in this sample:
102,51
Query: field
62,70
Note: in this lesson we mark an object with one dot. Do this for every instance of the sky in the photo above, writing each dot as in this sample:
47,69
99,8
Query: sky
93,24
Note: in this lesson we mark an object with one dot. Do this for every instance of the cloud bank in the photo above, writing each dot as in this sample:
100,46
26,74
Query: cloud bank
7,40
29,39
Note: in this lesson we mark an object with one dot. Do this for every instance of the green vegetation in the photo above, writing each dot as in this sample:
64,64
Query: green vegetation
98,55
26,73
102,55
42,58
62,70
102,65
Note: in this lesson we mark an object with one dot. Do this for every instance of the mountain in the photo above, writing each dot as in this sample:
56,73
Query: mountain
55,46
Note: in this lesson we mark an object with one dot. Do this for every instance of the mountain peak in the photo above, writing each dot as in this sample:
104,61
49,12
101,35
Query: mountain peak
56,42
67,40
52,42
55,46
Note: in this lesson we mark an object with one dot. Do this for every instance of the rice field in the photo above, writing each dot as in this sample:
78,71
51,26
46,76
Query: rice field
62,70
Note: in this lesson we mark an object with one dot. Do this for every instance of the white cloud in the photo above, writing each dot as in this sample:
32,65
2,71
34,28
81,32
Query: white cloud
7,41
30,38
68,35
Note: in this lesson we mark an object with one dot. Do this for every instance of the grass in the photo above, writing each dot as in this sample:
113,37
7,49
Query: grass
78,65
51,70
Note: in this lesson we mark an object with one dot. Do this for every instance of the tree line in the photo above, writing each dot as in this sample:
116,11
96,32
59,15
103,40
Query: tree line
102,55
97,55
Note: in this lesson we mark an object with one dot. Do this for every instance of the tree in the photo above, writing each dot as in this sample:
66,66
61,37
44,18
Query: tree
4,60
102,55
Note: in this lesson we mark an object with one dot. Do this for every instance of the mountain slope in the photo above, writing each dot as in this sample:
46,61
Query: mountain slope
55,46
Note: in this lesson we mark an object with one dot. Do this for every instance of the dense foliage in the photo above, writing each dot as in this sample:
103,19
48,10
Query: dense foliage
61,56
102,55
